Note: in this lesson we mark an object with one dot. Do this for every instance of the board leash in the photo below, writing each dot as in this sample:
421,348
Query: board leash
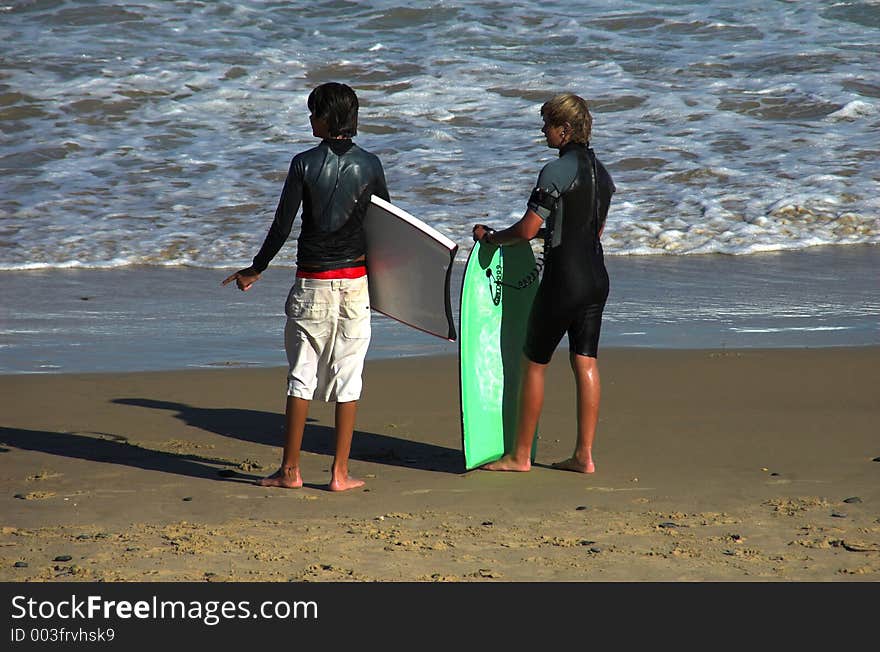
521,284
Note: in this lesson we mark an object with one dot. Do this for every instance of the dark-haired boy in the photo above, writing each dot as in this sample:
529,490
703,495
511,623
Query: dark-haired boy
328,308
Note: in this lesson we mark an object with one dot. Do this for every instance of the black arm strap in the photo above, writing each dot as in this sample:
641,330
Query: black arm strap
544,198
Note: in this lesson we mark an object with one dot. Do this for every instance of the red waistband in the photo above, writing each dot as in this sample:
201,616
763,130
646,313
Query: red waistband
346,272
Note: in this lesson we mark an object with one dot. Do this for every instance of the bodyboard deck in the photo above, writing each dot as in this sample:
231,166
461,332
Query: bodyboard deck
497,291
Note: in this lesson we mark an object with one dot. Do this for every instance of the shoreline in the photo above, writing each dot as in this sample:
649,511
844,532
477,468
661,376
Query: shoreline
711,465
561,352
169,318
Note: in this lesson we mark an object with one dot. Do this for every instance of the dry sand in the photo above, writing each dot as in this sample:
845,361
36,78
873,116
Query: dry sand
711,465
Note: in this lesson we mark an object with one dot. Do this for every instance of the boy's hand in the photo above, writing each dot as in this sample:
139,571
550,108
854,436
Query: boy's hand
244,278
480,231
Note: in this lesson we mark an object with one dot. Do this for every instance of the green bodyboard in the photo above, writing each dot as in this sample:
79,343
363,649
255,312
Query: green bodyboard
497,291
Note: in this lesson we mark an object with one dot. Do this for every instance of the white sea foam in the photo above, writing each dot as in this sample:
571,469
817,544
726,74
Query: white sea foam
854,110
164,139
791,329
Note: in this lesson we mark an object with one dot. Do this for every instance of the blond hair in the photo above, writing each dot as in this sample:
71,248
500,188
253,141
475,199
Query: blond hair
568,107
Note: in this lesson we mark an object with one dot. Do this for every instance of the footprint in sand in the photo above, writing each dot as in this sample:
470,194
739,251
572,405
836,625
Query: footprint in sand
416,492
36,495
102,435
43,475
607,489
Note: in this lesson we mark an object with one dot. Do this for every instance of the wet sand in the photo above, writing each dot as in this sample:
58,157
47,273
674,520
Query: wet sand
711,465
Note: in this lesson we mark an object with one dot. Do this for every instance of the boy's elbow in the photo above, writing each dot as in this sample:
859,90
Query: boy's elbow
531,234
528,230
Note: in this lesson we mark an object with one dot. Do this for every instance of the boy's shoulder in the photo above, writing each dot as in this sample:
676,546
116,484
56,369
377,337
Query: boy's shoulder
366,158
300,159
559,172
363,152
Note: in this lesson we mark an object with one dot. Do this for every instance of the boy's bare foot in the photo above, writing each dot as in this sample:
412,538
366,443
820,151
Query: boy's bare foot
573,464
344,483
507,463
288,478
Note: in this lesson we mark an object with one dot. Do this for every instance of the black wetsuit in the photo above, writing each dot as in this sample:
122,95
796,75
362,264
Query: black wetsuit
574,204
333,181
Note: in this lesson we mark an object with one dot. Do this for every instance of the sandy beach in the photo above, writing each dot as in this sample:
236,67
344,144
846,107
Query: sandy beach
711,465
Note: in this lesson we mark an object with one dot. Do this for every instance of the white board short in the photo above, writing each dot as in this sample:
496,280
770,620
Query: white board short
326,338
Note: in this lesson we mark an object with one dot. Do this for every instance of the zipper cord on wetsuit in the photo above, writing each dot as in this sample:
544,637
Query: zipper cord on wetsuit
595,199
335,185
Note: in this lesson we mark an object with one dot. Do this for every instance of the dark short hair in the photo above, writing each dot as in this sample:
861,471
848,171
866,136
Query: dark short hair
337,105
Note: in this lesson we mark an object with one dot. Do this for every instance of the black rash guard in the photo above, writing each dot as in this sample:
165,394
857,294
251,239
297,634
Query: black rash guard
573,195
333,182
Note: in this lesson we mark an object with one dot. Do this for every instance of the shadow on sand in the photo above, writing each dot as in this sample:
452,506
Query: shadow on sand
267,428
113,449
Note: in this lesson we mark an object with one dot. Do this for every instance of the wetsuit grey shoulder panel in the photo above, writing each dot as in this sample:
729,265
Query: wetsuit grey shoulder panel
554,179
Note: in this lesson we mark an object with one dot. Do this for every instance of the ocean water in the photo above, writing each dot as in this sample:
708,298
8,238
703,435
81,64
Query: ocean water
159,133
143,147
